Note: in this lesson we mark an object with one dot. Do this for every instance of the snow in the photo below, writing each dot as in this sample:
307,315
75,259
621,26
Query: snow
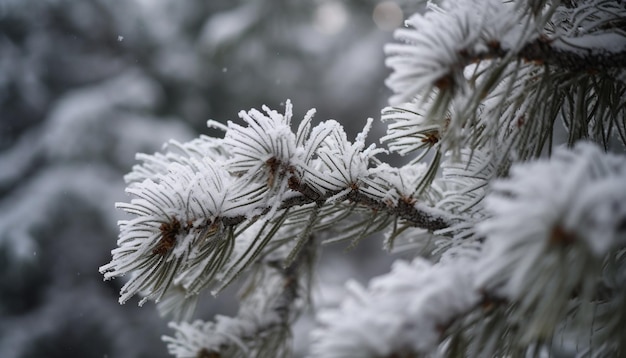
399,312
592,44
574,201
435,45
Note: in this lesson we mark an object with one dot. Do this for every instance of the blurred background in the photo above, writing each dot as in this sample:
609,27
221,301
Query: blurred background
84,85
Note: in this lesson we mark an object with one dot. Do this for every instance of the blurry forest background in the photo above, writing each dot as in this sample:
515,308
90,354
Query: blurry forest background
84,85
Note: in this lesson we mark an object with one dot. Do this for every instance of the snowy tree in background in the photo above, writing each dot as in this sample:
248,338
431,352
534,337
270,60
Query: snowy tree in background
510,207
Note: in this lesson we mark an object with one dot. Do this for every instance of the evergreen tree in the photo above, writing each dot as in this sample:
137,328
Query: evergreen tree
511,209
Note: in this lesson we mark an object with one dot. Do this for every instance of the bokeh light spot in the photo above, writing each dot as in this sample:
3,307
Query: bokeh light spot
330,17
388,15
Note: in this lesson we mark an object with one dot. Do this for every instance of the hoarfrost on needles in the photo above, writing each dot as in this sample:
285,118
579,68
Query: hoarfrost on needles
403,311
574,202
520,251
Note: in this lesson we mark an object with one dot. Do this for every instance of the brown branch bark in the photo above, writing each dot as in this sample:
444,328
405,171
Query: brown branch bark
403,209
542,51
407,211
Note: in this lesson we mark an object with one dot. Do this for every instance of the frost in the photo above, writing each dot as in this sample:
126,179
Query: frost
464,182
257,330
400,312
552,223
436,43
176,211
511,254
342,165
265,137
410,130
593,43
394,184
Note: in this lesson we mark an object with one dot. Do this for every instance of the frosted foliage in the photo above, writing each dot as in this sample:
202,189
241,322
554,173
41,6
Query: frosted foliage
267,151
464,182
574,201
514,245
157,164
586,26
266,136
342,165
172,207
437,42
394,184
409,130
182,199
258,325
178,304
398,313
470,72
212,337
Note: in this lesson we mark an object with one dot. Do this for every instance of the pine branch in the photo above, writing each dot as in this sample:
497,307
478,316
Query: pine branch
552,52
262,326
417,215
544,51
532,251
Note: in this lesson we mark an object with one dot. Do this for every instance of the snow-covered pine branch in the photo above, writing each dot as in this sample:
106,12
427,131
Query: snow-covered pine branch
526,251
192,206
555,234
484,70
270,303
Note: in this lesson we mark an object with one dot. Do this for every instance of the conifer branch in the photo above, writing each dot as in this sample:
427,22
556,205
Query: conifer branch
532,249
419,216
262,326
545,51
